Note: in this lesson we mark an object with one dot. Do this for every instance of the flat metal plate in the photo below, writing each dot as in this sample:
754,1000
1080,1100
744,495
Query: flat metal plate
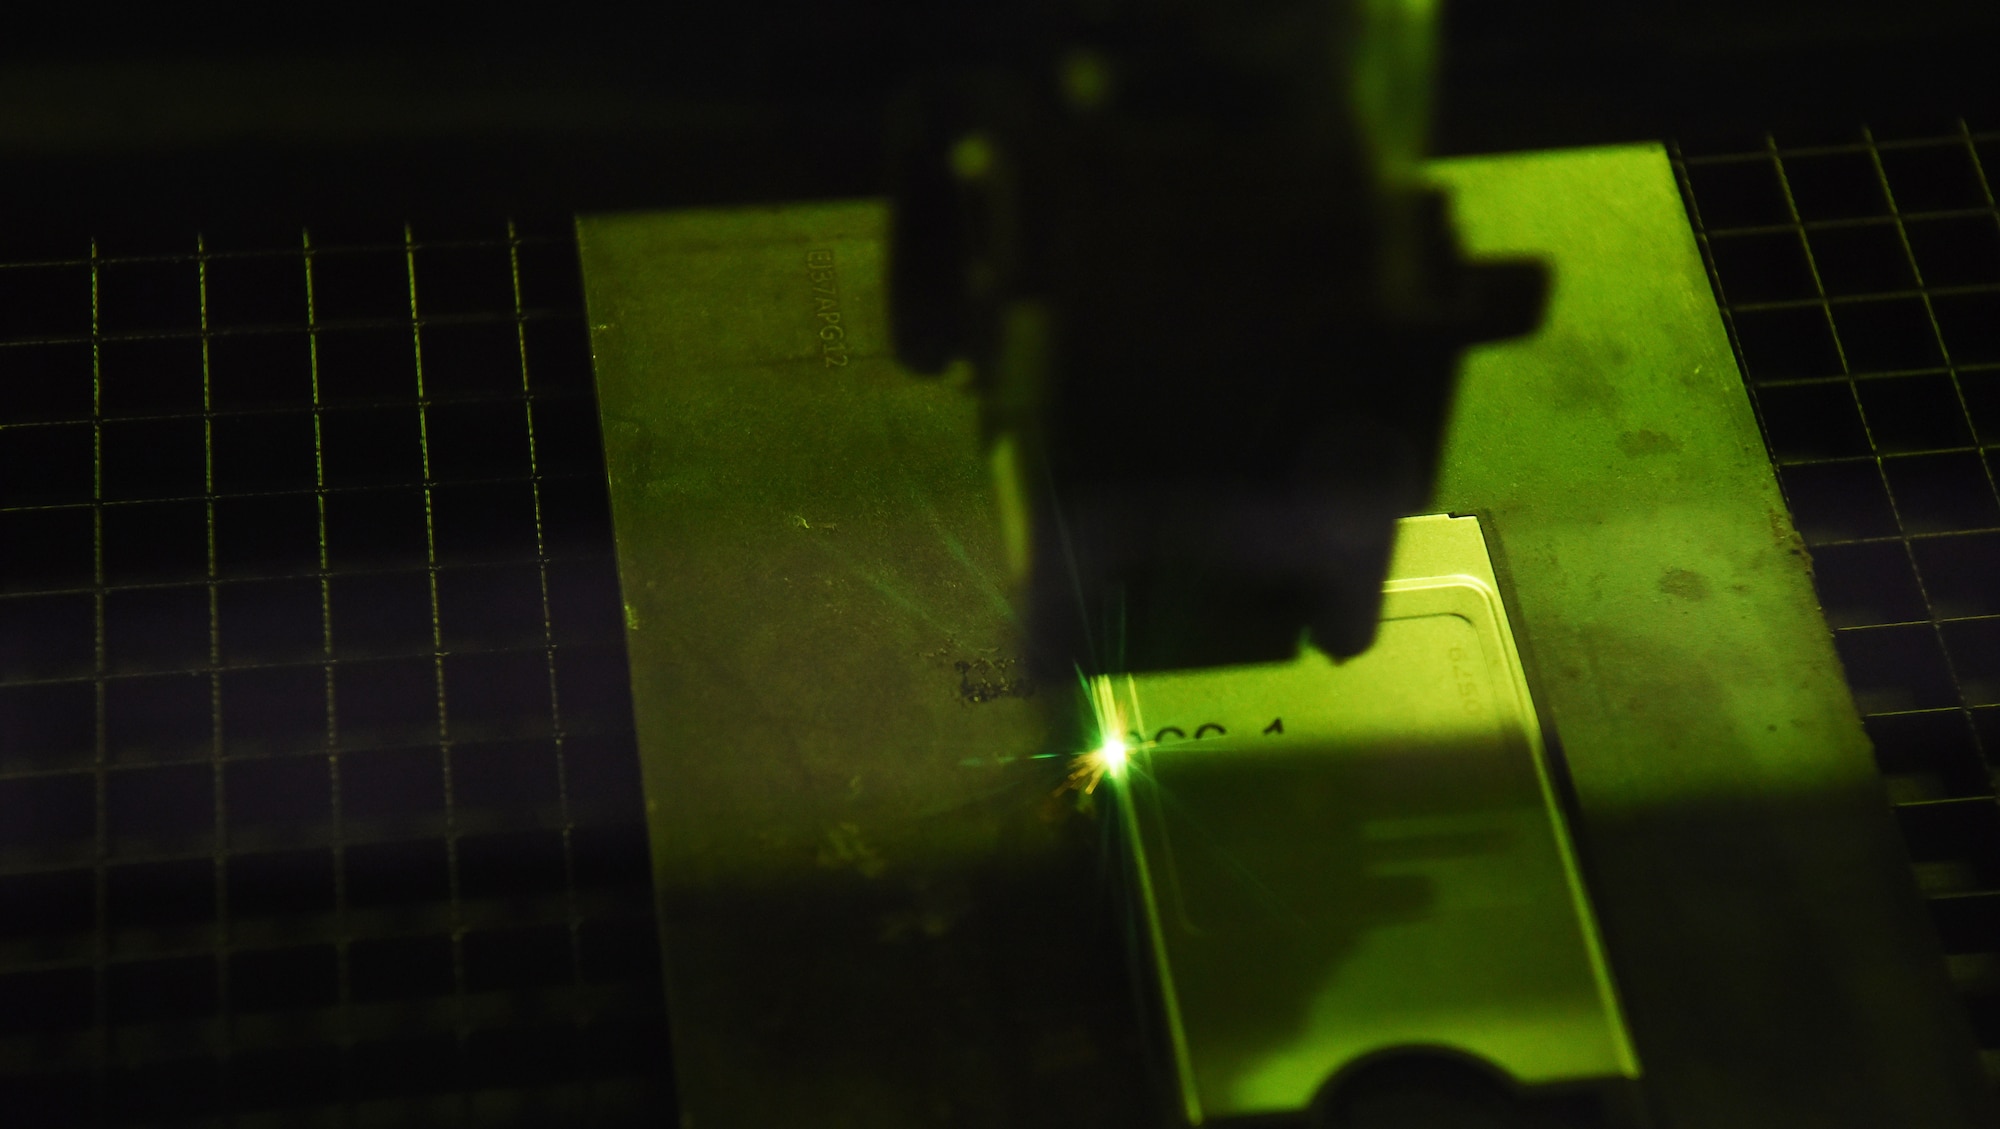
874,913
1772,951
1343,858
874,909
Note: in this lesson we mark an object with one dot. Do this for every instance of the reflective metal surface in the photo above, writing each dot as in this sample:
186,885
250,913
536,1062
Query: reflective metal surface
875,913
1343,859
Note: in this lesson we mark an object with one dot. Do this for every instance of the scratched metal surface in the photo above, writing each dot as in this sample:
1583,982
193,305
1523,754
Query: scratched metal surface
875,912
1759,911
1859,274
874,915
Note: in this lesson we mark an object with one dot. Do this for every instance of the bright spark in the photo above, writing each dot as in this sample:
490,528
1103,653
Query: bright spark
1087,770
1113,753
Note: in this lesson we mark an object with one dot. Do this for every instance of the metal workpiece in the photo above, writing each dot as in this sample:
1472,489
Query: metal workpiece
875,911
1771,948
1341,864
878,912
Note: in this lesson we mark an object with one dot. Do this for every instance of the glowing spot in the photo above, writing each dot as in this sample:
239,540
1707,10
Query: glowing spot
1113,753
1086,80
1087,770
972,157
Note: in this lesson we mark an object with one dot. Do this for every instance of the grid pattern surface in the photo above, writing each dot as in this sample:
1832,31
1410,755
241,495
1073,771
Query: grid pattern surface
1860,279
318,795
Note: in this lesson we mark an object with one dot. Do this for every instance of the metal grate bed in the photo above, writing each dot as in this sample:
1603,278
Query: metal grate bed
318,798
1860,279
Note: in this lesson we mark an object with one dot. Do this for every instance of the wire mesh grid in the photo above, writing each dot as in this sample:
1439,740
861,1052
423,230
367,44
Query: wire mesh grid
318,799
318,796
1860,281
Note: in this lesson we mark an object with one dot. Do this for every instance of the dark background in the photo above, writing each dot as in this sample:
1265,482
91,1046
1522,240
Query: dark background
317,784
318,798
